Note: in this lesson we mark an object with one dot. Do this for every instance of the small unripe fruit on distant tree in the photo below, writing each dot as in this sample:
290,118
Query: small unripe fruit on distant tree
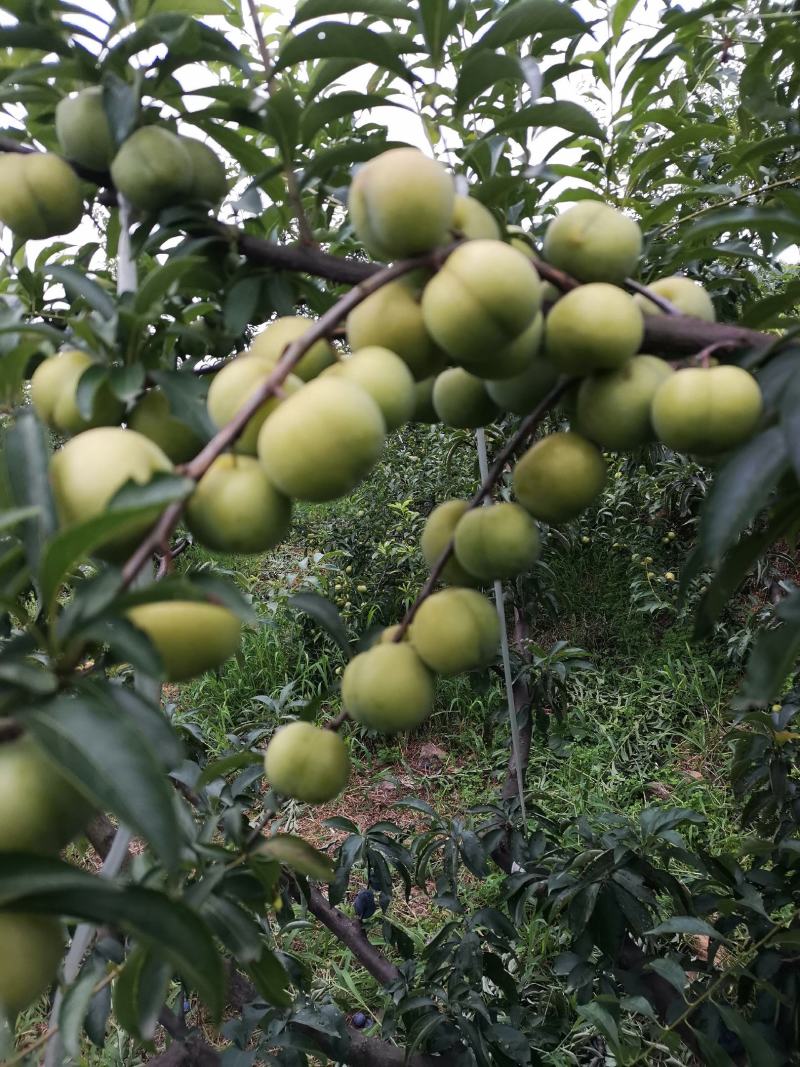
209,183
401,204
485,295
613,408
474,221
707,409
83,131
153,169
31,947
90,469
424,411
307,763
54,394
322,441
594,327
235,507
40,195
42,811
455,630
593,242
388,688
190,636
460,399
499,541
276,337
438,532
233,386
686,296
153,418
391,317
387,379
559,477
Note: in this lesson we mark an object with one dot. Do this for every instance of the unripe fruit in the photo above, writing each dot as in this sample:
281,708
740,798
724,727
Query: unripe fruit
500,541
387,379
54,389
31,947
276,337
455,630
389,633
707,409
460,399
392,318
401,204
235,507
485,295
689,297
559,477
474,221
233,386
307,763
424,411
321,442
151,417
88,471
613,408
521,394
83,131
438,532
594,327
42,811
40,195
209,183
190,636
517,357
153,169
388,688
593,242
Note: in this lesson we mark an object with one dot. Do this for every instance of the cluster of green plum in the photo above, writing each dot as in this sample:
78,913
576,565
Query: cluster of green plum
41,195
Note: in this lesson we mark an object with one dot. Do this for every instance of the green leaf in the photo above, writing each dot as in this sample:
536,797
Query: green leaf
438,19
623,9
140,992
296,853
27,456
774,654
326,614
44,884
480,71
755,1044
741,488
564,114
110,760
527,18
187,393
671,971
158,282
219,768
75,1006
14,516
162,489
76,284
314,9
270,979
686,924
336,39
34,36
282,121
319,114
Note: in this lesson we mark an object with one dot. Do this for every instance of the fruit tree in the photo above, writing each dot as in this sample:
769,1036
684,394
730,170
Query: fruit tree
245,247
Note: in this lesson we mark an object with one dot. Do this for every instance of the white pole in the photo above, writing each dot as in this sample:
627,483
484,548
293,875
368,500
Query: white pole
146,687
483,466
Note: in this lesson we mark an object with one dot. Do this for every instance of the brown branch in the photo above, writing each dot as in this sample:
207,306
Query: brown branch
351,934
304,260
526,428
158,537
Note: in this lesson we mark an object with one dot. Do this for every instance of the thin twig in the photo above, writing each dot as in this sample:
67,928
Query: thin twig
337,720
659,301
158,537
725,203
526,428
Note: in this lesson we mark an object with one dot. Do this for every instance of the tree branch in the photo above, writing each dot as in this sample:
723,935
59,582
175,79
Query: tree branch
351,934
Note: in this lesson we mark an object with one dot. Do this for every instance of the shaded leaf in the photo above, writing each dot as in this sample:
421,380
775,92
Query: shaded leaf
296,853
336,39
326,614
